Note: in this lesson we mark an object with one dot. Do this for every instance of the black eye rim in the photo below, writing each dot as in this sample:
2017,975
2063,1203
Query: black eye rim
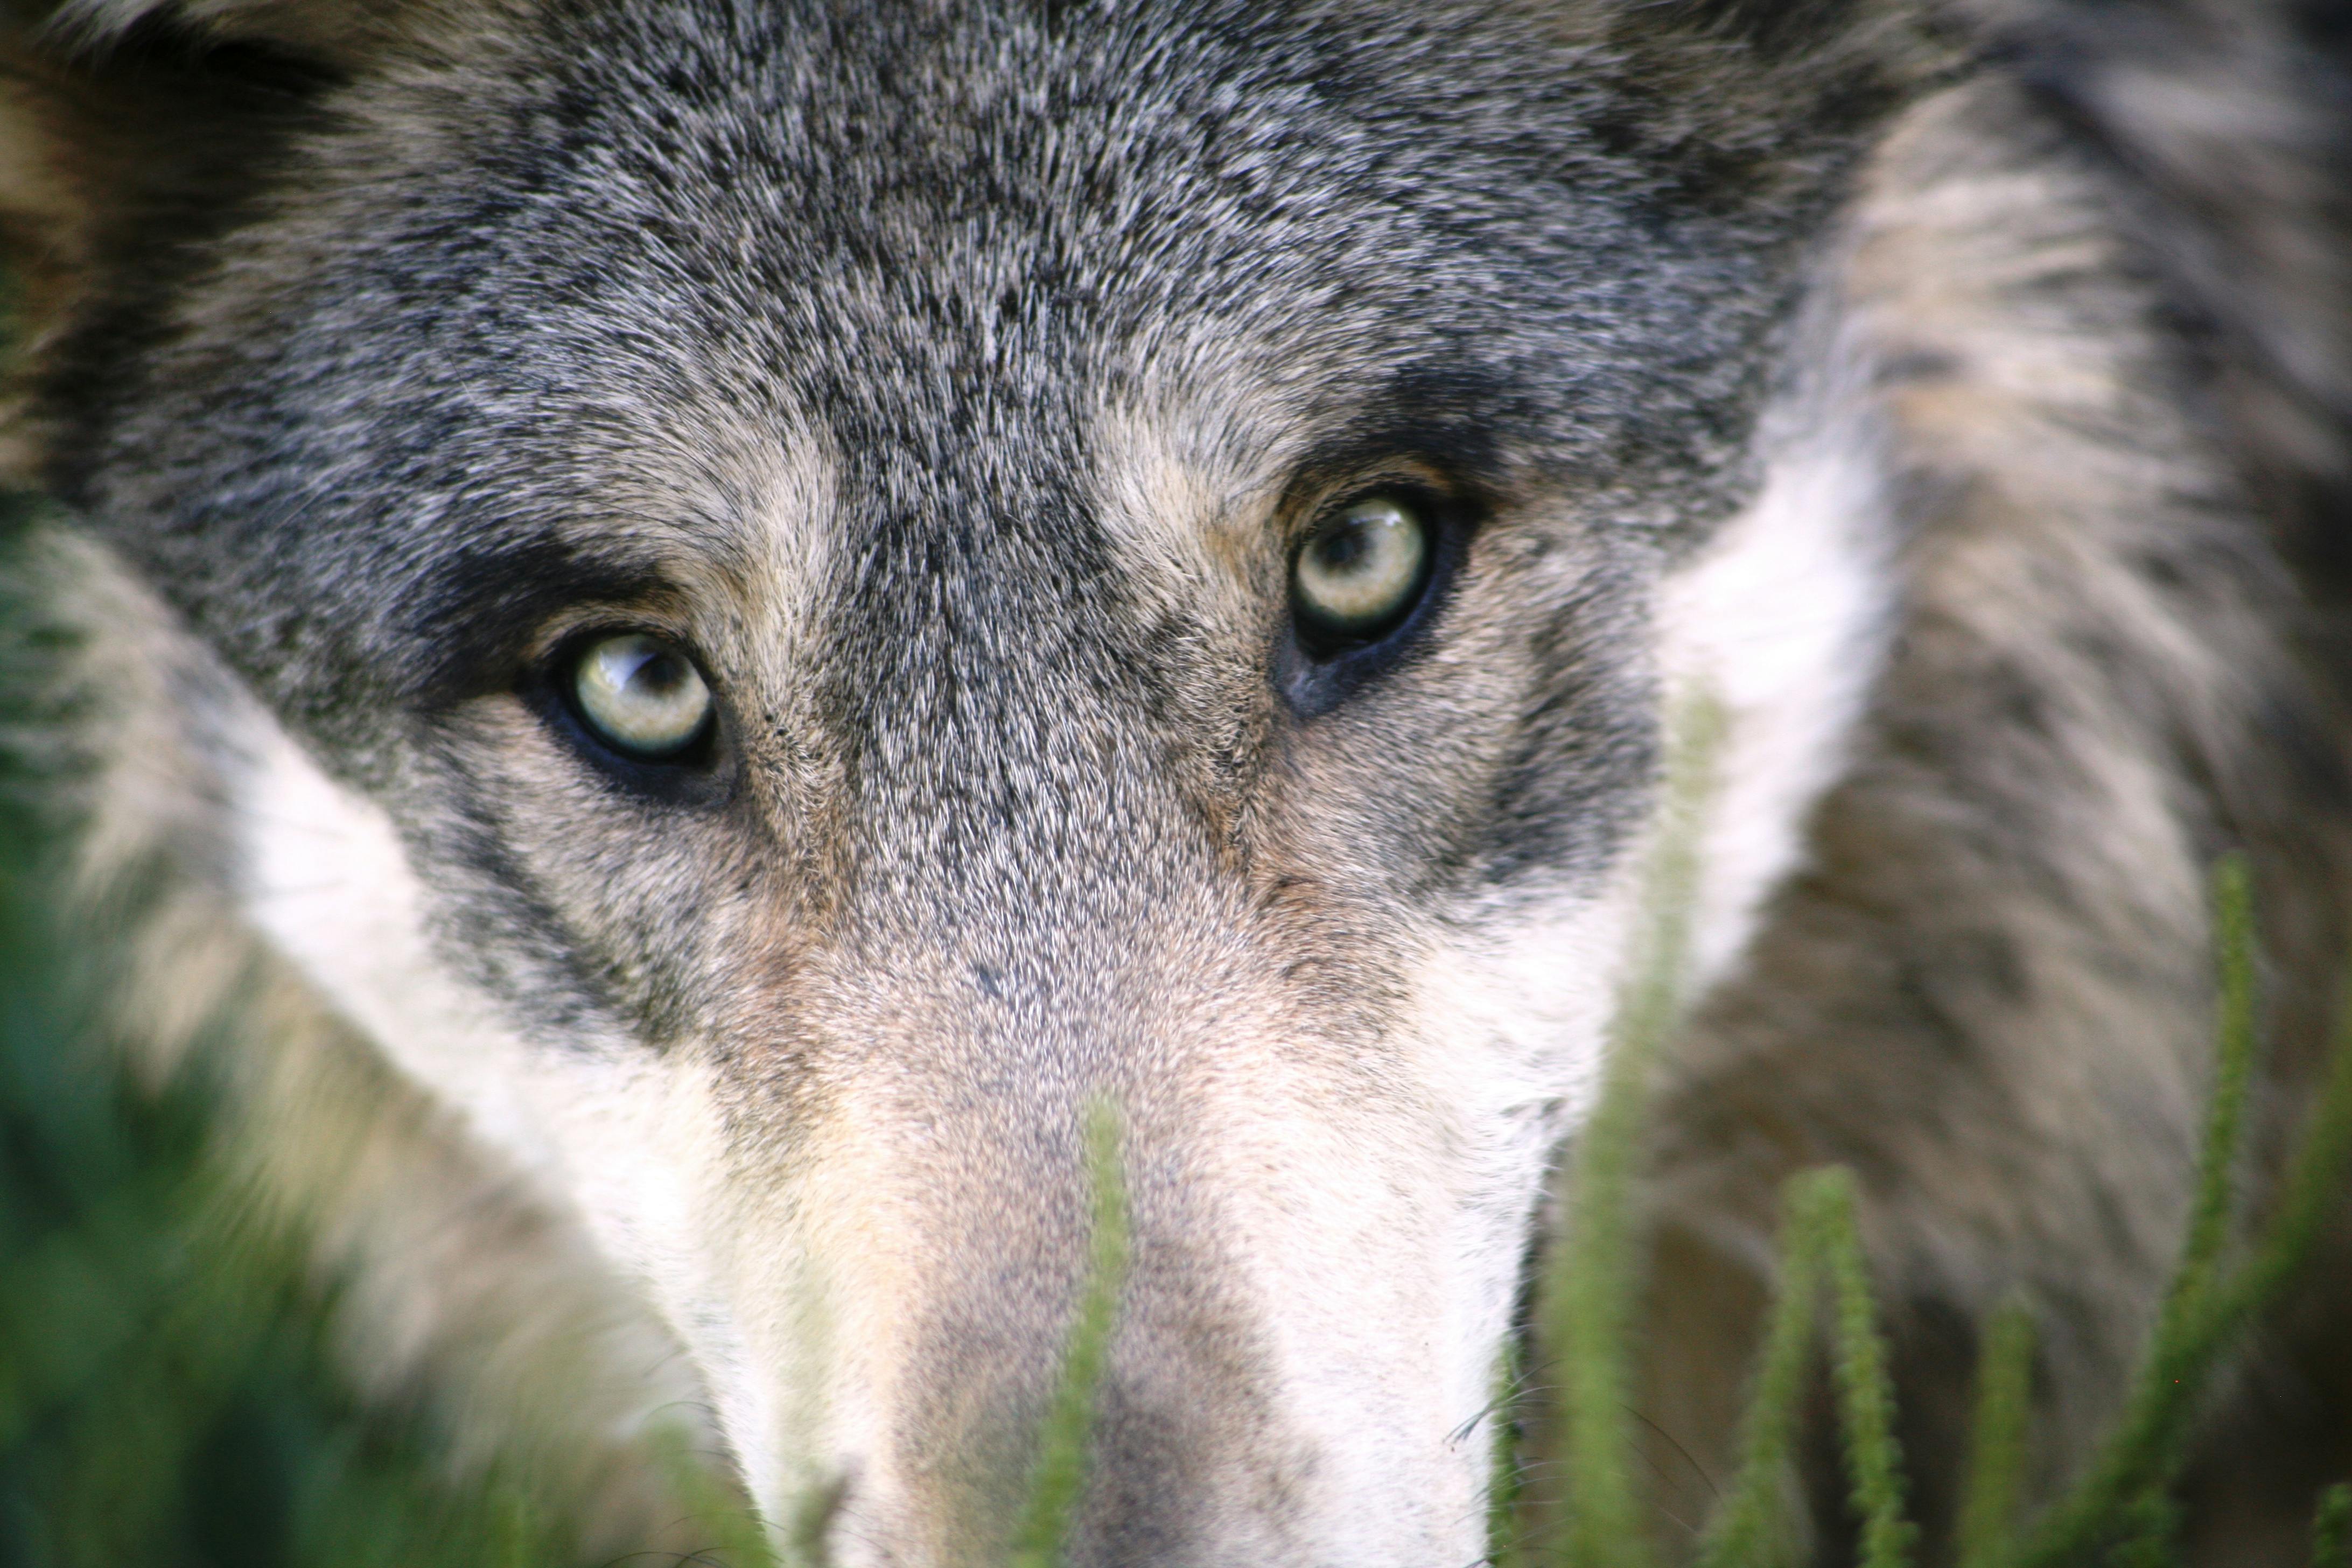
690,774
1319,668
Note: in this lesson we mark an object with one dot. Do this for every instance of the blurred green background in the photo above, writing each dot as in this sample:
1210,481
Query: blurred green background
168,1390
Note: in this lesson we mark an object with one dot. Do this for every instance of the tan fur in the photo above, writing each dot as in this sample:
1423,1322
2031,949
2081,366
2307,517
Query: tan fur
2010,1045
2037,429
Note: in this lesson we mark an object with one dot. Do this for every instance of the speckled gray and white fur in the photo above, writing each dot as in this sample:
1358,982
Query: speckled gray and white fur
957,381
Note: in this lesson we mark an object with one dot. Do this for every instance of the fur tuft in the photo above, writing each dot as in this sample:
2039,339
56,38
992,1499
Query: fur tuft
2225,129
337,33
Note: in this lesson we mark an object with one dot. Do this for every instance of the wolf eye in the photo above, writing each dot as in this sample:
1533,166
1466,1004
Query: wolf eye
1361,573
642,697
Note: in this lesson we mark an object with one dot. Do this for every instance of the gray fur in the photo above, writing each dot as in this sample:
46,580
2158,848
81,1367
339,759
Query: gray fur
379,350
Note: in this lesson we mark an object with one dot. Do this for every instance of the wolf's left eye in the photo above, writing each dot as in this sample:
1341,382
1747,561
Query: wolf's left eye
641,697
1361,574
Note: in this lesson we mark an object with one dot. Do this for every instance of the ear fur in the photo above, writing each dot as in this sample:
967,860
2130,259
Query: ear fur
1764,104
132,132
342,32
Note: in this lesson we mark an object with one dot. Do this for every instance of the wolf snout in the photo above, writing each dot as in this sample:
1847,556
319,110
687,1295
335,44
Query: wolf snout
1169,1477
1216,1388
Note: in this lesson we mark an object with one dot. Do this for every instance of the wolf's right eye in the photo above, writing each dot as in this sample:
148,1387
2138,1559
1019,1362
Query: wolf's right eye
641,697
1361,574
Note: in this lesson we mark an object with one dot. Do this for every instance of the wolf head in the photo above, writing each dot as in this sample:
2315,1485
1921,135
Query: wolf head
808,590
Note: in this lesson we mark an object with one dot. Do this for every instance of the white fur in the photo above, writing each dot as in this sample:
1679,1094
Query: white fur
1783,619
1512,1050
608,1133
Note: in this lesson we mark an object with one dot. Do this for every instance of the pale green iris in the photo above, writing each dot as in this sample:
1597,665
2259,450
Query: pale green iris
641,696
1363,569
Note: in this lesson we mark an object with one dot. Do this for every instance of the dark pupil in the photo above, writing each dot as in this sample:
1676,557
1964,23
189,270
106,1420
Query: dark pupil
659,675
1345,546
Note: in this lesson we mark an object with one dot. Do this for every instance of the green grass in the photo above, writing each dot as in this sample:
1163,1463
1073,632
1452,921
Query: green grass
1060,1479
2004,1409
2120,1511
1586,1308
170,1393
2331,1529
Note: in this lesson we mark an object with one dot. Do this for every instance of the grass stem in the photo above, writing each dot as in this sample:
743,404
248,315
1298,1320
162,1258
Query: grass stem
2204,1313
1588,1297
1750,1529
1865,1387
1059,1480
1996,1474
2331,1529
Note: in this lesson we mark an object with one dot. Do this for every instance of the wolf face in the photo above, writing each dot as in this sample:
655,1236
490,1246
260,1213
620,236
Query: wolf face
798,594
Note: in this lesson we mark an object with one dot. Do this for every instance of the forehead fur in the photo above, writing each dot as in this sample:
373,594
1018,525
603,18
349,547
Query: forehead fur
936,237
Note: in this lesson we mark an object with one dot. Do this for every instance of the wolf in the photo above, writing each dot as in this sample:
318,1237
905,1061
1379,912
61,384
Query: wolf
713,617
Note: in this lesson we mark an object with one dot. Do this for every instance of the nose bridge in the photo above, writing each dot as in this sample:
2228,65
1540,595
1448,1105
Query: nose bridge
1026,943
1184,1386
991,1211
1022,870
1037,923
950,1196
988,682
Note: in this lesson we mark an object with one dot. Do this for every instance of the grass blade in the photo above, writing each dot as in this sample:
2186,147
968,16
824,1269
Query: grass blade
2313,1189
1988,1522
1060,1477
1866,1388
1820,1247
731,1532
2150,1536
1590,1286
2209,1220
2202,1314
1750,1529
1506,1483
2331,1529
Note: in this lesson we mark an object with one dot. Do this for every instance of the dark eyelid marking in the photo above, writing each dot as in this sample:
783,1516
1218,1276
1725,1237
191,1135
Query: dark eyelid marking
482,613
1425,426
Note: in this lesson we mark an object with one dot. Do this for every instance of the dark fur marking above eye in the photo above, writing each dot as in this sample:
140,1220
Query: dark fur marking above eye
252,71
1430,438
480,609
1452,420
